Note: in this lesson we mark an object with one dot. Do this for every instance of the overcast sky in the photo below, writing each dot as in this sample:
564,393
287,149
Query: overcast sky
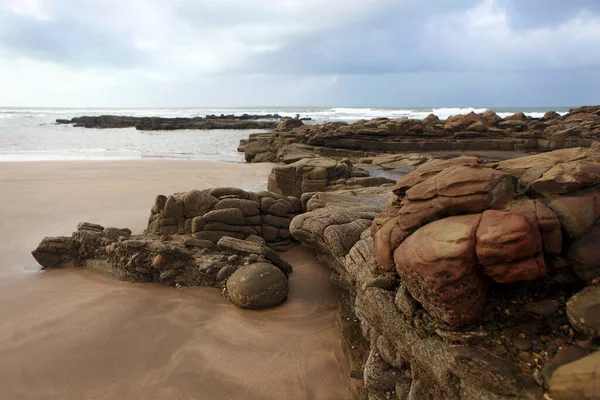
299,52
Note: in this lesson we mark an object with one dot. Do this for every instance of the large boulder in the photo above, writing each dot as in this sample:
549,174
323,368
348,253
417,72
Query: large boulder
257,286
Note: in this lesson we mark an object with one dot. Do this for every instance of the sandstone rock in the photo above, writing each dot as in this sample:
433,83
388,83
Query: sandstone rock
215,236
173,208
379,375
584,253
471,132
198,203
509,248
249,247
226,272
114,233
224,192
405,302
583,310
564,356
249,208
289,124
257,286
544,308
57,252
255,239
577,212
430,169
201,244
438,265
230,216
492,373
567,177
577,380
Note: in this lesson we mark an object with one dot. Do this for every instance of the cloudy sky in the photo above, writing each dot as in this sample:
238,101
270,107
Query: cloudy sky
299,52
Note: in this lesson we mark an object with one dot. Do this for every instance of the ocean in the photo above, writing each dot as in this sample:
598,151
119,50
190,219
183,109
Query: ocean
31,134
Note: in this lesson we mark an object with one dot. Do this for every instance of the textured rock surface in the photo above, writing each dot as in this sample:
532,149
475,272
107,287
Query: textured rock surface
583,310
483,262
167,253
257,286
215,213
320,175
487,131
577,380
457,224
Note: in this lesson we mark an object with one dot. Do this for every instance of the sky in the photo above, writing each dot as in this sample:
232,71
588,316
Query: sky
351,53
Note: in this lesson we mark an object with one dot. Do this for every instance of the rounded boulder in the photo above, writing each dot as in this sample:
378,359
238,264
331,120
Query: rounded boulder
257,286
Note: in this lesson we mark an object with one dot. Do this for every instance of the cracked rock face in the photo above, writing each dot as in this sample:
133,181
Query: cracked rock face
226,212
456,225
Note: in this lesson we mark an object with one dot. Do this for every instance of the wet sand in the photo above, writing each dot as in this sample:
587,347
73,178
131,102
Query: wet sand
74,334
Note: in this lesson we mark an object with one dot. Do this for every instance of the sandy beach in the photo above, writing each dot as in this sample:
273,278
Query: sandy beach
74,334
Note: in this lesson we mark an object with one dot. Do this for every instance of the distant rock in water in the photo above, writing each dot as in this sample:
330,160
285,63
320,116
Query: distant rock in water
245,121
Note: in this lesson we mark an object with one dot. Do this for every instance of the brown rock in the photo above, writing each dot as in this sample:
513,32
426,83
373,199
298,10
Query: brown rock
438,265
577,380
583,310
584,253
508,247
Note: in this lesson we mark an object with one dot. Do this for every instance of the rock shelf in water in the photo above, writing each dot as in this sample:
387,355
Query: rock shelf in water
292,140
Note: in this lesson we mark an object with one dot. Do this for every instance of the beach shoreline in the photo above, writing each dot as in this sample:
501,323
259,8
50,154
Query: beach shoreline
75,334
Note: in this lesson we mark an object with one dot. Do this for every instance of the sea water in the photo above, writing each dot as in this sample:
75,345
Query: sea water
31,134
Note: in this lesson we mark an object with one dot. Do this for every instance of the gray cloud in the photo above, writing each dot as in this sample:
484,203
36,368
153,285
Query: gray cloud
335,52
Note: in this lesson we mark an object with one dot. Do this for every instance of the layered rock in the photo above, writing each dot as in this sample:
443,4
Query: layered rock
320,175
460,285
245,121
456,225
401,352
239,266
214,213
487,131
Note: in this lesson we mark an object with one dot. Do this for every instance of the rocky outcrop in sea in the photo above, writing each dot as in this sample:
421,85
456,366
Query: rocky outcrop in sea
245,121
293,140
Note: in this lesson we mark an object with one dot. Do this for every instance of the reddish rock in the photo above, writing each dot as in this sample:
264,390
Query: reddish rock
429,169
438,265
509,247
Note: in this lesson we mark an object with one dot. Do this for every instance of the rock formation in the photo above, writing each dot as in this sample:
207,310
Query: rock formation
168,124
320,175
251,272
487,131
465,287
214,213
